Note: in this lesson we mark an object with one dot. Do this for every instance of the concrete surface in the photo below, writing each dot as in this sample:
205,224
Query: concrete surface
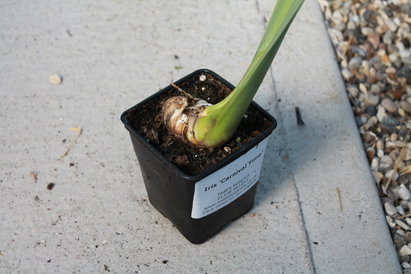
113,54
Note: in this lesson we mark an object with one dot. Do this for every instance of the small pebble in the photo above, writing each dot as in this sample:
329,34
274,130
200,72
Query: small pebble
371,100
385,60
386,163
55,79
400,210
389,105
401,112
403,226
381,113
355,62
390,120
394,137
405,250
391,48
362,88
388,37
372,110
390,222
405,258
404,192
375,89
374,39
390,24
374,164
367,31
346,74
405,53
390,209
391,72
400,232
392,174
400,46
405,105
380,144
399,240
351,25
353,91
393,57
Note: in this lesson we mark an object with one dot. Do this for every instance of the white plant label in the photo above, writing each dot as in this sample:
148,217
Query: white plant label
227,184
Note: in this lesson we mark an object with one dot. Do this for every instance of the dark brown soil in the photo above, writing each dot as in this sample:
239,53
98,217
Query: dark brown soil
188,158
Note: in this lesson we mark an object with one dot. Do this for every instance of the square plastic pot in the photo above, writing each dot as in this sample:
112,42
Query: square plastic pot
200,205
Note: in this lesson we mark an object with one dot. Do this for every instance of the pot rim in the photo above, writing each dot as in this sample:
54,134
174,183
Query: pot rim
236,154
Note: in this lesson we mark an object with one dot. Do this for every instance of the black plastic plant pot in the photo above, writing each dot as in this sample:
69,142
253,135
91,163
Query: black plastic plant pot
198,205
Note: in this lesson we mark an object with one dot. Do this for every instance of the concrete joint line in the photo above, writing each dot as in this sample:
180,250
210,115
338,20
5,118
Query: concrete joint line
303,224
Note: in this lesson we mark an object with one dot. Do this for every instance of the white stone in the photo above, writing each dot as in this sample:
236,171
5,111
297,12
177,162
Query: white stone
400,232
405,265
351,25
405,105
390,221
393,57
401,165
400,210
371,99
355,62
406,205
337,16
394,137
374,164
375,89
353,91
405,250
55,79
401,112
366,31
390,209
381,113
403,225
340,26
390,24
389,105
363,88
400,46
406,61
373,72
405,53
355,18
346,73
407,155
392,174
380,143
387,159
404,192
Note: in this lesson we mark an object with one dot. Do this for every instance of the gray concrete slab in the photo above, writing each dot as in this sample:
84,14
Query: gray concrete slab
113,54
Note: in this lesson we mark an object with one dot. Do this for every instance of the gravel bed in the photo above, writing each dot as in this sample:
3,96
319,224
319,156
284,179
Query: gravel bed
372,45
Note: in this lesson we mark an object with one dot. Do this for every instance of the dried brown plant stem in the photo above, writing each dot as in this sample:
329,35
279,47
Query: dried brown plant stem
78,130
